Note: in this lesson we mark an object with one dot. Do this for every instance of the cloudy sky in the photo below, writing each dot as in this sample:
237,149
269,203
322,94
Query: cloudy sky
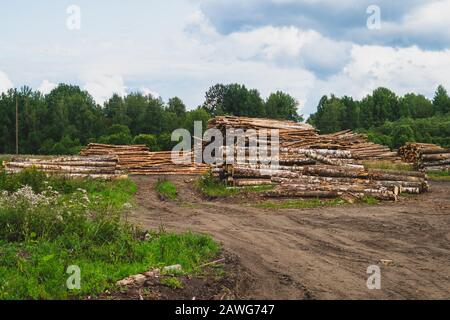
307,48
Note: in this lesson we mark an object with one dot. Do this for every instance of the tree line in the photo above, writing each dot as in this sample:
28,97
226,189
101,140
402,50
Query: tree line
68,118
387,118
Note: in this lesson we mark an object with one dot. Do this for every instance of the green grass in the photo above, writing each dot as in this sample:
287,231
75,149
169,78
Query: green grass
439,176
212,187
388,165
370,200
42,233
166,189
310,203
37,270
172,282
299,204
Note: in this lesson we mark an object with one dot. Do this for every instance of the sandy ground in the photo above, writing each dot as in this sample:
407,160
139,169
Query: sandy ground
320,253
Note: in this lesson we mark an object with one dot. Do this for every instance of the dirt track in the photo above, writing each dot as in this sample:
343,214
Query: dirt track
319,253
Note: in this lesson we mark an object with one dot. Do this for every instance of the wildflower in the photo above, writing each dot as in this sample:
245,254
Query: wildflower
127,206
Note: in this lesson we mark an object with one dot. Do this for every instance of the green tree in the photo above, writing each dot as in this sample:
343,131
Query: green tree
149,140
401,135
441,101
214,100
176,106
416,106
281,105
234,99
198,114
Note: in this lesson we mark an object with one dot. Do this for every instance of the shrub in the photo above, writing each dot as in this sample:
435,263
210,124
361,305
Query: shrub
148,139
166,189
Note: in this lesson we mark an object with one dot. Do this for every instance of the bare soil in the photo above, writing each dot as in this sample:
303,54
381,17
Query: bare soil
320,253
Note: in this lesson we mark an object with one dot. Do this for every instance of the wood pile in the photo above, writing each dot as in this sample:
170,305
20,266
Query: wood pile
311,165
358,144
426,156
95,167
225,122
127,155
162,163
294,135
138,160
325,181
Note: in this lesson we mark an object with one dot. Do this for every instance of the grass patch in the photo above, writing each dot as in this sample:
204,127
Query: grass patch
172,282
388,165
212,187
300,204
166,189
37,270
370,200
83,224
310,203
439,175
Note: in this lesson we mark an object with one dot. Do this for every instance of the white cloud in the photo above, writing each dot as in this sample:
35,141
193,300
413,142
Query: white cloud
430,18
402,70
102,87
186,54
146,92
46,87
5,83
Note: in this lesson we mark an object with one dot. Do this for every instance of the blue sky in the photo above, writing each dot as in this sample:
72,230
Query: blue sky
307,48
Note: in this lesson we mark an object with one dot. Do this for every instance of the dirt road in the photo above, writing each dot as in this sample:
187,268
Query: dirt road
319,253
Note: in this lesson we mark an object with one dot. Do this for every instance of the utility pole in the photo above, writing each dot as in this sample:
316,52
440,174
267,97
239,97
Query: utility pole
17,125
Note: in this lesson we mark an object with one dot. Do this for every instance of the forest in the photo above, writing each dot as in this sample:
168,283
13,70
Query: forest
387,118
68,118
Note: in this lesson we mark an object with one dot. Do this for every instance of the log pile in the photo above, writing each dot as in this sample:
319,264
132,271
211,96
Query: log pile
426,156
226,122
309,164
127,155
325,181
138,160
163,163
358,144
94,167
294,135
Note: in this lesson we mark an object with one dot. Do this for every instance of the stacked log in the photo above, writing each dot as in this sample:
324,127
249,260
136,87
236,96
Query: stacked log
426,156
294,135
127,154
94,167
138,160
167,163
358,144
326,181
307,164
226,122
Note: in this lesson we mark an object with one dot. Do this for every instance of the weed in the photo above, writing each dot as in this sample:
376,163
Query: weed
172,282
43,231
166,189
439,175
300,204
211,186
370,200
